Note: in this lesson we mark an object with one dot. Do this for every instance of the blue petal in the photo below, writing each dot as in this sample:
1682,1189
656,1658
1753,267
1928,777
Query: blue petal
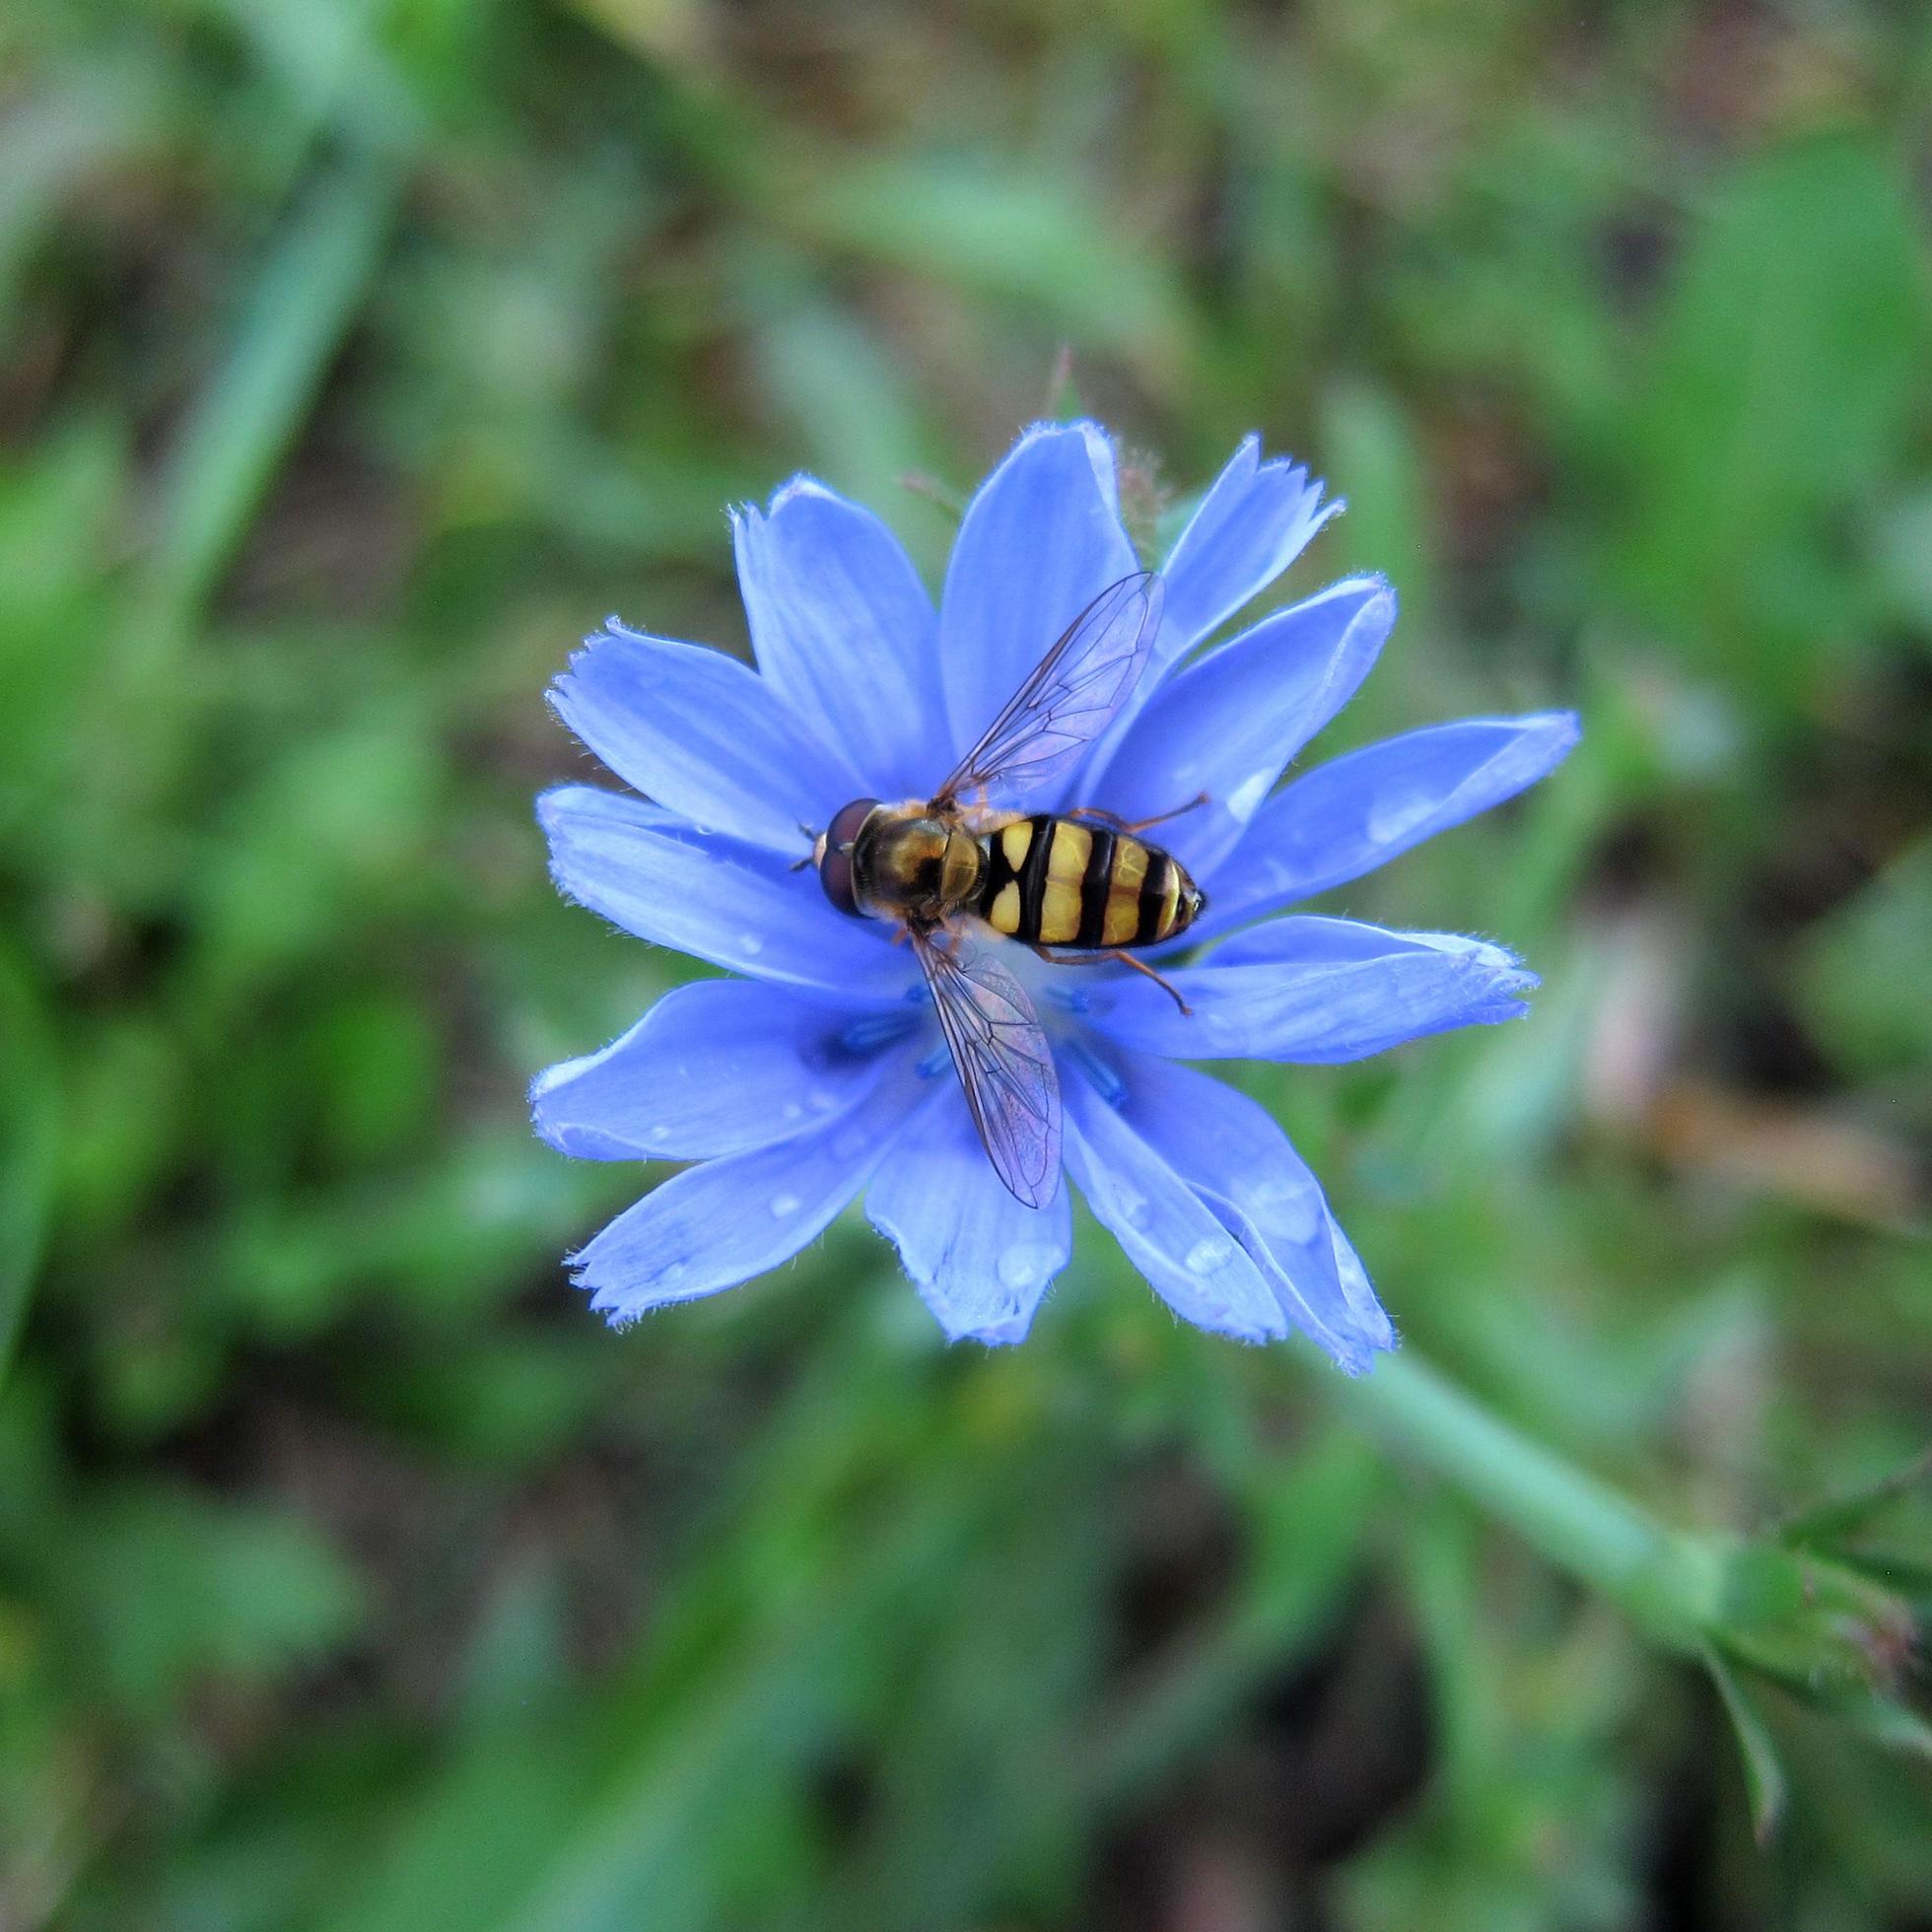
724,1220
1356,813
702,734
1315,990
980,1260
1250,527
737,907
1041,539
1163,1227
1234,1155
846,636
1229,724
718,1068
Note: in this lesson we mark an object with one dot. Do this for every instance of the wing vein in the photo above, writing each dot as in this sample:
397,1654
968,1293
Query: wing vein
1003,1059
1070,695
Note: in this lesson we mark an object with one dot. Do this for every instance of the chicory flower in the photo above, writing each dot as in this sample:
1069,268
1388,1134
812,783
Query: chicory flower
814,1072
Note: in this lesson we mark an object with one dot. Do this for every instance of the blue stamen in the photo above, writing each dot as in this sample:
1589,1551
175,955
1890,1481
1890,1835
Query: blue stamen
1106,1080
872,1031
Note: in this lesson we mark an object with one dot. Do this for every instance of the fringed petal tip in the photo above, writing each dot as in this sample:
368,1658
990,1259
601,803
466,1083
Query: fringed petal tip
981,1260
800,484
613,630
1566,732
1102,451
566,1138
1498,970
1254,522
989,1335
1097,436
605,1301
969,1304
1293,484
1359,1360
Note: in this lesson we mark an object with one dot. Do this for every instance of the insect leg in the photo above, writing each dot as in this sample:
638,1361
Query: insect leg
1121,824
1166,986
1126,959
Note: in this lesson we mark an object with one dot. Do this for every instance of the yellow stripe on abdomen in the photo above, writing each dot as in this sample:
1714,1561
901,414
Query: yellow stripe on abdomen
1170,901
1121,923
1069,850
1068,856
1060,914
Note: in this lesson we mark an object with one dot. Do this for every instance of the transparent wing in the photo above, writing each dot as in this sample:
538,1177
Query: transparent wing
1071,693
1004,1062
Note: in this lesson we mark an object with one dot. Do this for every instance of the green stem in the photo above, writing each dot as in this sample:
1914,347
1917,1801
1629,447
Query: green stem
1665,1580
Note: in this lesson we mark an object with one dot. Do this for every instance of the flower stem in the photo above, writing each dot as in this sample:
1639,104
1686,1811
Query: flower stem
1578,1522
1832,1625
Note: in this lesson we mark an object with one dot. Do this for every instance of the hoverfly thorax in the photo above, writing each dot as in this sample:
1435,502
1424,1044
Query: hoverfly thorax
898,861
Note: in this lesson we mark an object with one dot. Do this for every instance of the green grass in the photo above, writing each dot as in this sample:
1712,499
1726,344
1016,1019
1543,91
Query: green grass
357,359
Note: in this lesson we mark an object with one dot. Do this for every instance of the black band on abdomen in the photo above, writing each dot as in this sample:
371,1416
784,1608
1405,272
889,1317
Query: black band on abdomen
1033,876
1153,897
1098,876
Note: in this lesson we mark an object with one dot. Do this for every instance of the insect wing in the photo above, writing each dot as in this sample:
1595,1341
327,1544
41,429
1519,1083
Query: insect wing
1070,695
1004,1061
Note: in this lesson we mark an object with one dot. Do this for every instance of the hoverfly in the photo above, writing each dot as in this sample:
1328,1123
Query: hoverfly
1075,885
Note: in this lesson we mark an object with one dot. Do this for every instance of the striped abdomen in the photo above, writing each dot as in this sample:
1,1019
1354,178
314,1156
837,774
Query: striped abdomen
1055,881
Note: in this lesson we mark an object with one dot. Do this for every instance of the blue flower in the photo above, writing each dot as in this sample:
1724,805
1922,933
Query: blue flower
813,1074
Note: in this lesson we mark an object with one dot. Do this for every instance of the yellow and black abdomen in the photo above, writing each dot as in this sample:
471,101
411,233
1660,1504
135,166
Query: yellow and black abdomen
1053,882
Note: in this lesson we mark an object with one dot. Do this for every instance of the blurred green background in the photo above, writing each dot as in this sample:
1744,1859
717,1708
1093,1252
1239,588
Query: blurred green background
359,356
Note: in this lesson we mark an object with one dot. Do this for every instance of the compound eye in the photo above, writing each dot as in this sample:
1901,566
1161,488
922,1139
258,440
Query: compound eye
835,866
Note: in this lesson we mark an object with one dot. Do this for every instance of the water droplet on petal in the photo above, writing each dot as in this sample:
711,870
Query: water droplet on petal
751,945
1395,814
1287,1207
791,1111
660,1134
1245,799
1208,1253
821,1100
1026,1266
783,1204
